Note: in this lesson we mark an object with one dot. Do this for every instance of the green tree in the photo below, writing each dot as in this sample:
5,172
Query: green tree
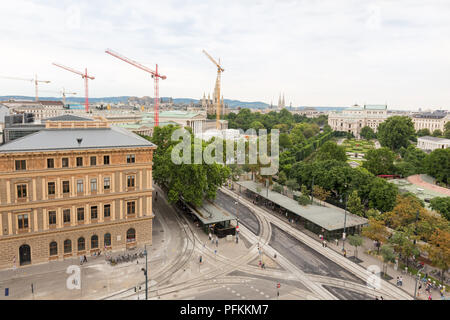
367,133
438,250
356,241
304,197
256,125
376,230
379,161
285,141
354,204
382,195
447,130
404,244
192,182
437,165
441,205
277,188
423,132
388,255
329,151
437,133
395,132
292,184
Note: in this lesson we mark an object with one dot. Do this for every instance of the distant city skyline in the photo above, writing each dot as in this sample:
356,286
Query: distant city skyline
319,53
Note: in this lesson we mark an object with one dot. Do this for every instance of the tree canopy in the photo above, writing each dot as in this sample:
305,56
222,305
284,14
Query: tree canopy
395,132
192,182
367,133
380,161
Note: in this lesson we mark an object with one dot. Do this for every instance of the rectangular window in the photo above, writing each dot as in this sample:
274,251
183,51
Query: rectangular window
131,158
65,162
21,165
21,191
65,186
66,215
52,218
79,161
93,184
93,161
107,210
51,188
107,183
50,163
130,181
80,186
131,207
22,221
80,214
94,212
105,159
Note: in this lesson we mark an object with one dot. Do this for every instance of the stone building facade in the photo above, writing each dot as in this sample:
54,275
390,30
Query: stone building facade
74,189
353,119
430,120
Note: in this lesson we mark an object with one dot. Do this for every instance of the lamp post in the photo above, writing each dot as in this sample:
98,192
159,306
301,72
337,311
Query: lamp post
415,287
345,222
146,272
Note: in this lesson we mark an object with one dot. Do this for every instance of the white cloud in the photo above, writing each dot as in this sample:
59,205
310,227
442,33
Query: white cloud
317,52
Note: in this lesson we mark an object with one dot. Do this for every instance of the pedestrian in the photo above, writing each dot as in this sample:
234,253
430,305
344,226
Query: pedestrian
263,265
209,236
345,253
398,281
201,259
275,256
429,297
85,259
325,243
217,241
401,281
81,260
259,263
376,298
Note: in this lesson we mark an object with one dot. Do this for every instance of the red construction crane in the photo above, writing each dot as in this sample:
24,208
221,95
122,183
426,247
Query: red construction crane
85,76
35,80
155,76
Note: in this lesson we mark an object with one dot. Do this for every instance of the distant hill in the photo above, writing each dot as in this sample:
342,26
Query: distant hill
233,104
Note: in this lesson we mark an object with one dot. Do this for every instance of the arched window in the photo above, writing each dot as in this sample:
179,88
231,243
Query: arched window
53,248
81,244
131,235
67,246
107,239
94,242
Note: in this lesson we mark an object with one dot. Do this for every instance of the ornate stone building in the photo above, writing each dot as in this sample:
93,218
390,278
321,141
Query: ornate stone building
353,119
71,189
430,120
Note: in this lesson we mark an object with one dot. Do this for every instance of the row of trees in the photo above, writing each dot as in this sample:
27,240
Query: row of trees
283,120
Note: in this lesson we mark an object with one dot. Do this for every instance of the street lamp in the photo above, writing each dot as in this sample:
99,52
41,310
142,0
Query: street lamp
417,278
146,272
345,222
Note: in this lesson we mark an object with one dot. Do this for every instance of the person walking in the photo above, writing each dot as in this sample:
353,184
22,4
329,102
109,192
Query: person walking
85,259
217,241
401,281
81,260
398,281
325,243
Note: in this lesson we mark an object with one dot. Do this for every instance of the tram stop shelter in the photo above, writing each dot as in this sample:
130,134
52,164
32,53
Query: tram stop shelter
214,219
326,220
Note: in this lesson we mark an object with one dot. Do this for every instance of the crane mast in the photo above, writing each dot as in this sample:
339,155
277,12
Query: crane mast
154,74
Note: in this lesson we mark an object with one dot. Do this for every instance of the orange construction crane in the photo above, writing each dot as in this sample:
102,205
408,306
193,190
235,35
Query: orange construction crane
219,72
35,80
85,76
155,76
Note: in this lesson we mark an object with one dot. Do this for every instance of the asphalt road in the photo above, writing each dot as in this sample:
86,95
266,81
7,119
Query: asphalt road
246,217
306,258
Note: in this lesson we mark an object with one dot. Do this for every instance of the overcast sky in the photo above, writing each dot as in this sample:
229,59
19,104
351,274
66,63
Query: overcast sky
319,53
